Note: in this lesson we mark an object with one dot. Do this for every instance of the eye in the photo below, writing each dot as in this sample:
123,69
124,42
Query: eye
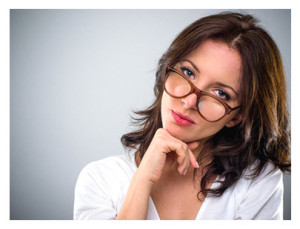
187,72
222,94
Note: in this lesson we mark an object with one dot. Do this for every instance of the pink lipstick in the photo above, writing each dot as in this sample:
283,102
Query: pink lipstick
182,119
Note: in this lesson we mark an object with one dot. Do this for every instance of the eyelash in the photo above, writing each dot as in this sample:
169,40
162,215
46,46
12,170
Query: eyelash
183,69
227,97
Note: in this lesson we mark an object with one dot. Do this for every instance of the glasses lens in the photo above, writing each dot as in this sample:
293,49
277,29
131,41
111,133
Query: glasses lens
176,85
210,108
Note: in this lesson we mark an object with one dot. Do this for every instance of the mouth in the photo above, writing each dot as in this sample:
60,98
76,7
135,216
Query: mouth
182,119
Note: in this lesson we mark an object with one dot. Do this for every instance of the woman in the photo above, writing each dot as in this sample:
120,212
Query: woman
214,143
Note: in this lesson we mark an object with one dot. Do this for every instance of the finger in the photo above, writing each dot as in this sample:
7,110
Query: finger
192,146
193,160
181,169
183,157
182,154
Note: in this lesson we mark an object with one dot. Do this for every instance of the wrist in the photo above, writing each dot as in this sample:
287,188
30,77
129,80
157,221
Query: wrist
140,177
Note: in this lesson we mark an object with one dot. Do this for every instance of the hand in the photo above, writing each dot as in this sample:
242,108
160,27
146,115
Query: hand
164,149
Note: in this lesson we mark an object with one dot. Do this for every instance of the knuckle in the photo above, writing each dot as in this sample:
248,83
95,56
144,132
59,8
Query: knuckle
160,132
180,160
184,148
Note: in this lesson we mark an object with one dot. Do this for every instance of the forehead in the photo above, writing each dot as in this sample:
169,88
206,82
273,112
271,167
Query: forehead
218,61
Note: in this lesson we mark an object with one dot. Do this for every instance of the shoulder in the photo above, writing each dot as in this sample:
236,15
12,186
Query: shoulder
105,178
270,178
260,197
112,162
113,166
101,185
269,173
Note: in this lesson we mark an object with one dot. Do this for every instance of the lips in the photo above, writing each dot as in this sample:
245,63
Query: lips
182,119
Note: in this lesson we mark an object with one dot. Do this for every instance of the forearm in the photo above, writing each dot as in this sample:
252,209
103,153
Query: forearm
135,204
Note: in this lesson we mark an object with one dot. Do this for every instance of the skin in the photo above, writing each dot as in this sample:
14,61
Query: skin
216,63
166,170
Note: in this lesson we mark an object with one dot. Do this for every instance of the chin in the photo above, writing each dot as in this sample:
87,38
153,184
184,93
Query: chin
179,132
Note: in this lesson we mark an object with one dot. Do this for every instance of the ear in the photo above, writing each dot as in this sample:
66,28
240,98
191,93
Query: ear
235,121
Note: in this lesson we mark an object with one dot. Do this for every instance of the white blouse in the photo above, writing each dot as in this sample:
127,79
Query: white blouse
102,186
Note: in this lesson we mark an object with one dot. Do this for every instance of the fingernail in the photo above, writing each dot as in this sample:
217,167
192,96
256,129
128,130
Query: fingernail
197,165
184,172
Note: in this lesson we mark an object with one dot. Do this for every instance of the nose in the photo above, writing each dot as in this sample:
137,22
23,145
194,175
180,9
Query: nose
189,102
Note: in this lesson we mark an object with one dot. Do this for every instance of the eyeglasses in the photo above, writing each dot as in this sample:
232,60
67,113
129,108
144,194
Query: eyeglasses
209,106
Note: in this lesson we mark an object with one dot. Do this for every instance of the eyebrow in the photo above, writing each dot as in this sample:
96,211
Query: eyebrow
225,85
217,83
194,66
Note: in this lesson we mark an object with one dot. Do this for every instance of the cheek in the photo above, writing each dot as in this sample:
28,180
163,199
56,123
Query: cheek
211,128
205,129
165,103
202,130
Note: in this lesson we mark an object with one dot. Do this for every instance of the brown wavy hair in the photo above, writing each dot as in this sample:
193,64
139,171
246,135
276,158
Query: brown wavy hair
264,133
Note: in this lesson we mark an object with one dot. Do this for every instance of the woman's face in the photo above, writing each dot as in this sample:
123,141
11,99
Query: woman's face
215,68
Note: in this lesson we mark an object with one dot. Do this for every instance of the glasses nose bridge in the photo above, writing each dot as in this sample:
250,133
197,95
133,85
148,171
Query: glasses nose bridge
196,91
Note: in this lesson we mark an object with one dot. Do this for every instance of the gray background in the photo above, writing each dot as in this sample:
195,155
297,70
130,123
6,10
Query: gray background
76,75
